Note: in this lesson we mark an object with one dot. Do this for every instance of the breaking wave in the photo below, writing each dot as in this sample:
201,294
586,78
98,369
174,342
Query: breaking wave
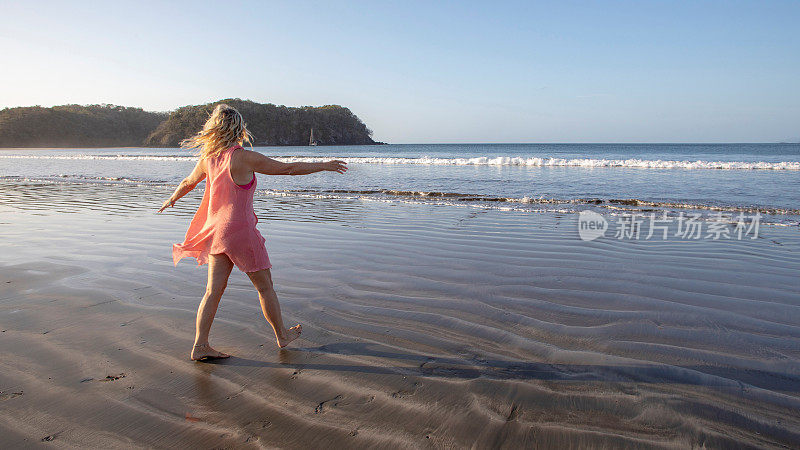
773,215
455,197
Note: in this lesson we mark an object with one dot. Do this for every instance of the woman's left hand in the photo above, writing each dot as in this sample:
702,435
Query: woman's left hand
335,166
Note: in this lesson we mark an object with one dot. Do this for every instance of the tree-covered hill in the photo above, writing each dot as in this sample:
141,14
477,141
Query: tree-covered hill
270,124
119,126
76,126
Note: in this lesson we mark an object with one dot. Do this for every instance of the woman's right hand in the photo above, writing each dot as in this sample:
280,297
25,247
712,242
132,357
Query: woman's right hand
167,204
335,166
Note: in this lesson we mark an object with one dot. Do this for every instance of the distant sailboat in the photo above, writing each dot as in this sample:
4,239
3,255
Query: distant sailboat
311,141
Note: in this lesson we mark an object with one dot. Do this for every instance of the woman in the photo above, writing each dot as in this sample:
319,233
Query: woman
223,231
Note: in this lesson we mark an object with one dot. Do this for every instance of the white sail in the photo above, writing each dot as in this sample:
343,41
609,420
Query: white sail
311,140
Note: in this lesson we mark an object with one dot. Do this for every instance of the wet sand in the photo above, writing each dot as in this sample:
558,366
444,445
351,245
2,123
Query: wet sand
424,327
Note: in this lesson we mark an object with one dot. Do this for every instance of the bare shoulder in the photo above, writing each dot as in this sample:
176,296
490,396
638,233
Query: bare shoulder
248,153
248,157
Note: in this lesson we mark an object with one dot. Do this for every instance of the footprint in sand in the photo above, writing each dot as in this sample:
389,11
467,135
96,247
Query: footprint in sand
113,377
9,395
406,392
332,402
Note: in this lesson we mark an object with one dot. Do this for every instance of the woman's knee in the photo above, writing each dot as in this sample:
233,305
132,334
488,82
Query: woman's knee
261,280
265,288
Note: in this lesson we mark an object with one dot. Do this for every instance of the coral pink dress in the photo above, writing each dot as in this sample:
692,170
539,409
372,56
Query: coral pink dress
225,221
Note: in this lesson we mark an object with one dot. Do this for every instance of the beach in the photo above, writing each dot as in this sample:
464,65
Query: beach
514,225
426,325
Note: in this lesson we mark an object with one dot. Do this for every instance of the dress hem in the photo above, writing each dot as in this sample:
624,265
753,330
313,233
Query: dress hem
201,261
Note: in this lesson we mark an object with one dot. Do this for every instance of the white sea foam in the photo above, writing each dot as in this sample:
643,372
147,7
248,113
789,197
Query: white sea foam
541,205
633,163
581,162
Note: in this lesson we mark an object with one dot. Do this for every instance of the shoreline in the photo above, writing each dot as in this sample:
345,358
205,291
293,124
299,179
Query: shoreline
611,207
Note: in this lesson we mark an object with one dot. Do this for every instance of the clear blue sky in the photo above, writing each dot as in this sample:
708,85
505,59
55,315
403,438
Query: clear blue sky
492,71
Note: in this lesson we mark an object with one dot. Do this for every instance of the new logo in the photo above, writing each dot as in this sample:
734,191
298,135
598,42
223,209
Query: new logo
591,225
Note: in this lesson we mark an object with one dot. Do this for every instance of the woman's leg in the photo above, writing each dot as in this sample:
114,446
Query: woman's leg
219,269
262,280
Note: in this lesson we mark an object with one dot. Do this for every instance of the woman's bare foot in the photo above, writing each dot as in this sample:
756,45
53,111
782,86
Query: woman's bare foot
291,334
202,352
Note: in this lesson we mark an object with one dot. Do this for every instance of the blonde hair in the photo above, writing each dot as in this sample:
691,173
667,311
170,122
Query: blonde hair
224,128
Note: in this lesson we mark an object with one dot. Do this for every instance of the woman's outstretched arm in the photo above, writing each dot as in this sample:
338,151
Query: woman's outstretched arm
268,166
188,183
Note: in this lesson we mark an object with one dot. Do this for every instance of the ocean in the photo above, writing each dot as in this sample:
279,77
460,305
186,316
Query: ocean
706,178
